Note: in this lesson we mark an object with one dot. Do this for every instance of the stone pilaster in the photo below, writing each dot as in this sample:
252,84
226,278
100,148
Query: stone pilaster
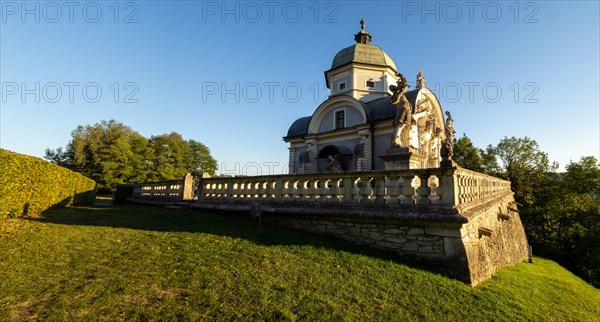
403,158
310,164
363,154
292,161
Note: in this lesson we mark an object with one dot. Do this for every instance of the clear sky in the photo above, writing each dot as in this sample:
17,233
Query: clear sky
234,75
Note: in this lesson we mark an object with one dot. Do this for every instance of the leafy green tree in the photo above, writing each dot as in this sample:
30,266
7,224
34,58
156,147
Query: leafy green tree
200,160
583,176
525,165
490,161
58,156
169,159
112,153
467,155
101,151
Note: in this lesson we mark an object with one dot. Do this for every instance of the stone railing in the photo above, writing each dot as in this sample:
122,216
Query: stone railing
435,186
473,187
165,190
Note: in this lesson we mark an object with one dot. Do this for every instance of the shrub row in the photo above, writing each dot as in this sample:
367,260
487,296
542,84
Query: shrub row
29,185
124,192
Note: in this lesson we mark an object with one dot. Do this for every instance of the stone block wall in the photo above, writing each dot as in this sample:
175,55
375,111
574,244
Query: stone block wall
493,238
431,244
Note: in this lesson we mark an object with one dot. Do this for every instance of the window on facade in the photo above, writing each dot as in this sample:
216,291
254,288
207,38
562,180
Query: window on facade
342,86
340,119
370,84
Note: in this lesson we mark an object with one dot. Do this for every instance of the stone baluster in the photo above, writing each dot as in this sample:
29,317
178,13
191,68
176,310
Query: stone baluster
336,191
473,187
206,190
347,189
233,189
303,189
324,190
261,191
408,191
462,189
468,188
355,189
249,190
271,189
392,190
227,190
285,194
379,190
313,190
278,189
292,190
434,198
256,190
423,191
365,189
218,192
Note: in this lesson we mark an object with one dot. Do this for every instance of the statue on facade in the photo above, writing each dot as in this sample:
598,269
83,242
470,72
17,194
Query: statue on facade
403,120
420,79
449,128
335,166
447,149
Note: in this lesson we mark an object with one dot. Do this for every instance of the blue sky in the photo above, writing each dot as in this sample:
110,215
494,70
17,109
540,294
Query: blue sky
234,75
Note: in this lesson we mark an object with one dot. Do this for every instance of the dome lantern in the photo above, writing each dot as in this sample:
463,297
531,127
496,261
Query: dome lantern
362,37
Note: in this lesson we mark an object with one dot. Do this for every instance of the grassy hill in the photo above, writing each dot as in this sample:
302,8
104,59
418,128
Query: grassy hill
148,263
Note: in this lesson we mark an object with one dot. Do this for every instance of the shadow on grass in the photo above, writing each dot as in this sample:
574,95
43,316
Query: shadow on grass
155,218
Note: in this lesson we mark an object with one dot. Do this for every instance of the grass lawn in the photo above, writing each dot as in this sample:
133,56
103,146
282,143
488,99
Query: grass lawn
149,263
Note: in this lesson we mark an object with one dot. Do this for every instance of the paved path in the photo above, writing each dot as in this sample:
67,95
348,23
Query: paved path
103,201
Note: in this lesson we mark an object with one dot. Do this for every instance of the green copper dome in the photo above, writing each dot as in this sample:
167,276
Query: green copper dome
362,53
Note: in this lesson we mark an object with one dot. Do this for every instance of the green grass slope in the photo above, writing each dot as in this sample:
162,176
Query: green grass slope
148,263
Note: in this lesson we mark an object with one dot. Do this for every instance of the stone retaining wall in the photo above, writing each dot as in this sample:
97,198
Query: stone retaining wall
463,220
430,244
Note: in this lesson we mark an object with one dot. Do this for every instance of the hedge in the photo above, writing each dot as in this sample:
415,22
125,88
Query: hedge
29,185
124,192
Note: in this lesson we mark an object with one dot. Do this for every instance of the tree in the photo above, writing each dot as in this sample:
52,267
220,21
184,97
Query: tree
583,176
524,165
490,161
169,159
473,158
200,160
101,151
58,156
467,155
112,153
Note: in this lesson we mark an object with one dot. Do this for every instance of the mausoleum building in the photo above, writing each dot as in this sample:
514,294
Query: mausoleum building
354,130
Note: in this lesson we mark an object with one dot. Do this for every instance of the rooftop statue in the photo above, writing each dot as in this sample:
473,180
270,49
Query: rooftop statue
447,149
403,120
420,79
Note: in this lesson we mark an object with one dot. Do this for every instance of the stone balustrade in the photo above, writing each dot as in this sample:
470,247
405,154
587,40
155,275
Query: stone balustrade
165,190
474,187
434,186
